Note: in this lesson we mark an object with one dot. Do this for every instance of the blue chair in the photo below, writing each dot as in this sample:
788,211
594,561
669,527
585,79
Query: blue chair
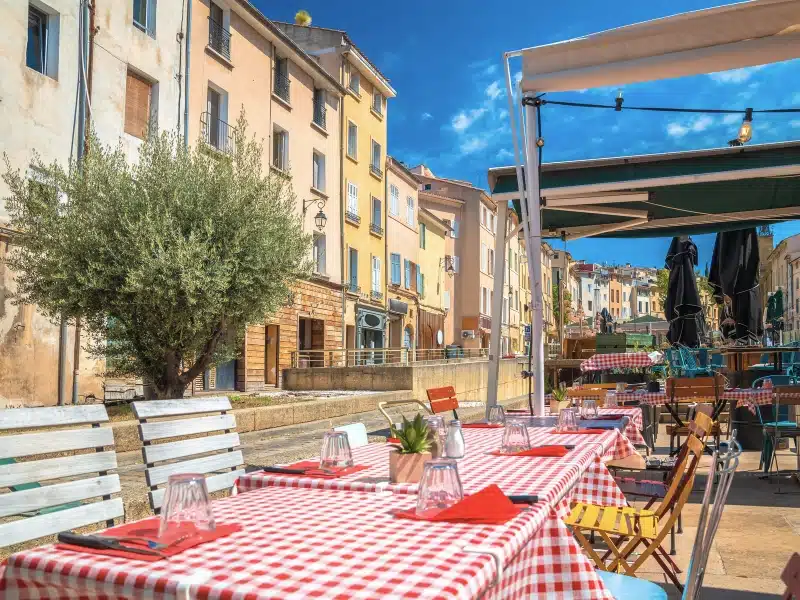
624,587
690,366
717,361
675,362
781,419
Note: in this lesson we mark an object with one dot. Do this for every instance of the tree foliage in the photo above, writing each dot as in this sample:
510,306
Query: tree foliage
557,306
166,260
662,282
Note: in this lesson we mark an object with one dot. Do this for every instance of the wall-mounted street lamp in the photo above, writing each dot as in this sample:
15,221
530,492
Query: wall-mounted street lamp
448,266
320,219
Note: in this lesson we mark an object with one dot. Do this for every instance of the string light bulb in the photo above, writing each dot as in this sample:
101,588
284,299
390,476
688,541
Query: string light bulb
746,128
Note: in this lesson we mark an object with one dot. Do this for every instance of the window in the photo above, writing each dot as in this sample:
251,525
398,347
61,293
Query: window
281,83
355,82
377,219
352,140
484,258
407,274
427,187
377,102
138,101
640,306
376,274
375,159
352,198
41,51
213,127
410,210
483,215
394,199
420,283
144,15
280,149
422,231
454,233
647,307
318,171
483,300
395,272
505,310
446,300
491,261
456,262
353,263
318,253
319,117
590,305
219,36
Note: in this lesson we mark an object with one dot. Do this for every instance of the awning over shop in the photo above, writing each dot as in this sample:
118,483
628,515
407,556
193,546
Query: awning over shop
660,195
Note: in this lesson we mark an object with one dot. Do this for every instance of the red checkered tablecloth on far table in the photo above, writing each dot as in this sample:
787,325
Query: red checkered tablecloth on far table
747,397
301,543
580,476
622,360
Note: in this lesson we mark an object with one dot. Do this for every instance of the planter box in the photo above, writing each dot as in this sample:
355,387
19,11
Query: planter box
406,468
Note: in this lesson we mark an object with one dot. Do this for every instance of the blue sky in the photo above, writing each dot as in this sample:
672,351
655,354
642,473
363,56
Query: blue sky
444,59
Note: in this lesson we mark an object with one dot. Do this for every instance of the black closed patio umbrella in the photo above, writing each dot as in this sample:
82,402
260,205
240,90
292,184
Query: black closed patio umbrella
734,279
682,308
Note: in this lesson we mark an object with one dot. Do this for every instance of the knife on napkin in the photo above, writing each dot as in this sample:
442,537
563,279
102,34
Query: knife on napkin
98,542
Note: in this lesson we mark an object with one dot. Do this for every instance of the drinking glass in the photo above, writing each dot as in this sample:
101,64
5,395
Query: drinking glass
497,415
589,409
186,504
439,487
515,437
336,452
611,400
436,422
567,421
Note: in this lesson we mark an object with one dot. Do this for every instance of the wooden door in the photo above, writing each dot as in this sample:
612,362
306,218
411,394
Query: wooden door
271,350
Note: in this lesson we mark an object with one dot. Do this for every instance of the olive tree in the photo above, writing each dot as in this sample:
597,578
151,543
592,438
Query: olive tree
166,260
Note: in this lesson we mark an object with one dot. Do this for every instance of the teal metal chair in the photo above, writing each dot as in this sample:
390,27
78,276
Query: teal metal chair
781,420
675,363
690,366
717,361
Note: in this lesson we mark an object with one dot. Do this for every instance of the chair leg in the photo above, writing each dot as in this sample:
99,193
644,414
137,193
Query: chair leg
672,550
680,522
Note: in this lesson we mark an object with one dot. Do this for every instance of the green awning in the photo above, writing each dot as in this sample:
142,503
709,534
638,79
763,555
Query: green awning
645,319
681,193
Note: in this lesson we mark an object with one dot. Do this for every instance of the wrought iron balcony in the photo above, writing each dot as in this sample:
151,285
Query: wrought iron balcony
216,133
219,39
353,288
375,170
376,229
352,217
376,295
319,112
282,86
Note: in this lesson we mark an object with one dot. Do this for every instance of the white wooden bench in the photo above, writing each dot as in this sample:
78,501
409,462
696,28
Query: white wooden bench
32,510
162,420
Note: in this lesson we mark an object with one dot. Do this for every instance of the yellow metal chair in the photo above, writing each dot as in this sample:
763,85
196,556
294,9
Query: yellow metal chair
633,526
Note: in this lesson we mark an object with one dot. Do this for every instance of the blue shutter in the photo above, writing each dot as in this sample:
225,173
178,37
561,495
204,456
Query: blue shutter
396,269
419,281
407,280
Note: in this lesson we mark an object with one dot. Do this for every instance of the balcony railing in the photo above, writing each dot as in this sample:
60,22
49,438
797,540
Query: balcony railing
319,112
375,170
376,229
376,295
219,39
282,86
353,288
216,133
339,357
352,217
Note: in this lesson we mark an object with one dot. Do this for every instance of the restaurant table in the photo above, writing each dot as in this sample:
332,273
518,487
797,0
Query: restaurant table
580,476
621,360
746,397
776,351
634,427
303,543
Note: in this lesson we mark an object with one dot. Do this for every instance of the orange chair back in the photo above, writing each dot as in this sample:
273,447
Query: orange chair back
442,399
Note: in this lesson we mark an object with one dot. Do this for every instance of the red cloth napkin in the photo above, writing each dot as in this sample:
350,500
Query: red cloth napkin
548,451
581,431
392,440
482,426
313,470
490,506
148,530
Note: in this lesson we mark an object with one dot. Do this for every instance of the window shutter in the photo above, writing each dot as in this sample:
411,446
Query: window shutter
407,269
455,229
137,105
455,264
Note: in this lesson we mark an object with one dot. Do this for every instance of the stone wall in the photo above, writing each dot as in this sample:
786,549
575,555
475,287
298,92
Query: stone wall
470,379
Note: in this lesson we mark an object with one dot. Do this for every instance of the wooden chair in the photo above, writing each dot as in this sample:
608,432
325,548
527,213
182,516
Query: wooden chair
443,399
220,461
691,390
597,394
63,504
639,526
383,406
791,577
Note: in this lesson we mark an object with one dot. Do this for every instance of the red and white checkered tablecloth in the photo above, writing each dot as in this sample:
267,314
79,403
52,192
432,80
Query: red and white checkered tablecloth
300,544
580,476
747,397
633,430
622,360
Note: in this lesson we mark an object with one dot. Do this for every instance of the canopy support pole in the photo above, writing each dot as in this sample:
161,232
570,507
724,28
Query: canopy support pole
534,251
495,350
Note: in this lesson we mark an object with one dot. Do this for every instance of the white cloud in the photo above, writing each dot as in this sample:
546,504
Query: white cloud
795,123
677,130
503,114
517,76
702,123
505,154
493,90
732,118
426,116
491,69
463,120
796,98
473,144
735,75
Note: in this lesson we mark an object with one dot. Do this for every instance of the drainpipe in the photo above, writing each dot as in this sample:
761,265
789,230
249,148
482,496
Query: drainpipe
342,200
186,73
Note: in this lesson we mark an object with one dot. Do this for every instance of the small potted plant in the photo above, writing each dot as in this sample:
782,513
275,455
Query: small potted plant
558,395
653,385
407,459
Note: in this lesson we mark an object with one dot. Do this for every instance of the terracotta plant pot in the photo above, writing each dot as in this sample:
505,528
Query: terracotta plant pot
406,468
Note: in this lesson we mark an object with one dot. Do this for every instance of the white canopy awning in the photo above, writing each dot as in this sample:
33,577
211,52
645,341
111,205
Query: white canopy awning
706,41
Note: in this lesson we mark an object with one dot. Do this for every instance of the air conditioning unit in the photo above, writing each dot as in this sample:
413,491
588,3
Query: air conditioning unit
468,334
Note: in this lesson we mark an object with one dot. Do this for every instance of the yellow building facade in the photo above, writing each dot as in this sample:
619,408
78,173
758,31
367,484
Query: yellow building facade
364,138
433,234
